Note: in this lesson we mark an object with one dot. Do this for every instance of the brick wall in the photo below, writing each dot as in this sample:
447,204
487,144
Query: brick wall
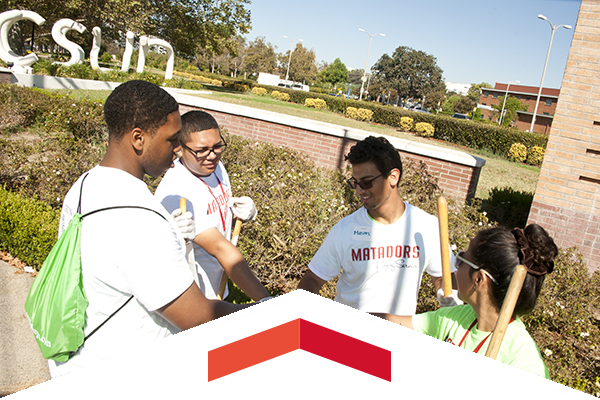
567,197
327,144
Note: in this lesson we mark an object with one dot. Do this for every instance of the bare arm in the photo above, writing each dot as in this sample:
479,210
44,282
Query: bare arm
232,262
437,282
397,319
311,282
191,309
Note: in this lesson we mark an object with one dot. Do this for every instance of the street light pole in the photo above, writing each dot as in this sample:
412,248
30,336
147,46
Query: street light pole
537,103
504,102
287,74
364,78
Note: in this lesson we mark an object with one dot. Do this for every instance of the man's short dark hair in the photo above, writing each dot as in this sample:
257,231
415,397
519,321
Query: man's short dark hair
379,151
137,104
196,121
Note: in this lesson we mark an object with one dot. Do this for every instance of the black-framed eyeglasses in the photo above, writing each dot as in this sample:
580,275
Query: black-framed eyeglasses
460,259
363,183
204,152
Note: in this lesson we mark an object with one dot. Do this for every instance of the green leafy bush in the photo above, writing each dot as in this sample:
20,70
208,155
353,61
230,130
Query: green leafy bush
517,152
316,103
424,129
28,227
535,156
22,107
508,207
566,323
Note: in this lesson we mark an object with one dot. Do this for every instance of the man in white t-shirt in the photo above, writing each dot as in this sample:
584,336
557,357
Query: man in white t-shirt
200,177
133,253
382,249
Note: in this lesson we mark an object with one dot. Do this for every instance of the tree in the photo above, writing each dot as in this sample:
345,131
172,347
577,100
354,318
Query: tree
510,109
260,57
474,92
448,106
355,76
335,73
464,105
303,67
413,73
434,100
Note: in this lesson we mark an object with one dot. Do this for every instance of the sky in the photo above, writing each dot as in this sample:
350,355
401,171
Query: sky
473,41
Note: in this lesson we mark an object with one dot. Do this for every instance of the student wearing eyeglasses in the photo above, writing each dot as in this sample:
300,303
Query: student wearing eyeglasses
382,250
483,275
200,177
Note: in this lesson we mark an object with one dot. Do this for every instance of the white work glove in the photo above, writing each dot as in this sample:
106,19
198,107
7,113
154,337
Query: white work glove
243,208
185,223
449,301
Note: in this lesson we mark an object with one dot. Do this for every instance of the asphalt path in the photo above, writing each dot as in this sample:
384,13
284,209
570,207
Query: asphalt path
21,362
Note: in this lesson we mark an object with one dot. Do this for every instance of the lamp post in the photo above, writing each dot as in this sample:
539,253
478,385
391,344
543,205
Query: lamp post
369,81
504,102
287,74
364,78
554,27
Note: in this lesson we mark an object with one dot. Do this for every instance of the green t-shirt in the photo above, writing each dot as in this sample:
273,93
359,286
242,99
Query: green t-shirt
451,323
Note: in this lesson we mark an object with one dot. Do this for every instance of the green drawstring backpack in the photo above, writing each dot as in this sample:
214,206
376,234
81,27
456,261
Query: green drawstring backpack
56,302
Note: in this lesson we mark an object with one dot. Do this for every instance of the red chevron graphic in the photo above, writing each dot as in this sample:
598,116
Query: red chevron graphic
299,334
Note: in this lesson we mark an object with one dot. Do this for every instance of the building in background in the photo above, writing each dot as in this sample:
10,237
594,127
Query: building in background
567,196
459,88
526,95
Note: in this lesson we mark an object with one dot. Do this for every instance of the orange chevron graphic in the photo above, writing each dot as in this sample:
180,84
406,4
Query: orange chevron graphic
299,334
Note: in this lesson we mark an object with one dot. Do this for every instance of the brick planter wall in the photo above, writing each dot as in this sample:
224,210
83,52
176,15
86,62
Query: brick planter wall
567,197
326,144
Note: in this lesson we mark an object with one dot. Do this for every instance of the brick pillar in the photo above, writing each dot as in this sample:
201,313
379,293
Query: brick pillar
567,197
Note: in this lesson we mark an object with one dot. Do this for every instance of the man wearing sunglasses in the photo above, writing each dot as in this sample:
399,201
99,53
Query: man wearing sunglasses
200,177
382,249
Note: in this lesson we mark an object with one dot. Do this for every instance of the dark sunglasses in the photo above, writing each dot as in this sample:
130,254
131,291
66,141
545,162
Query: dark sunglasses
204,152
363,183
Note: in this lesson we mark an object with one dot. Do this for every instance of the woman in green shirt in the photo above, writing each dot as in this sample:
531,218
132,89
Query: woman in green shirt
483,275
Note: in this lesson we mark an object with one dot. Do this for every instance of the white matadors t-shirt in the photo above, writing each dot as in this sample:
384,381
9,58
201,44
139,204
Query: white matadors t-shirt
209,200
381,265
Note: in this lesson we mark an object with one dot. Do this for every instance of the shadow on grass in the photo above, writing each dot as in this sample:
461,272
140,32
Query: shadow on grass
508,207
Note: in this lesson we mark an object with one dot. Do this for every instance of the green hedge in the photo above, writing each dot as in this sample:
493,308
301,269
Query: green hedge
28,227
475,135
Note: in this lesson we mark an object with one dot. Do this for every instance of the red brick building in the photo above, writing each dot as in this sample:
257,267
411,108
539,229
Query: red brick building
528,96
567,197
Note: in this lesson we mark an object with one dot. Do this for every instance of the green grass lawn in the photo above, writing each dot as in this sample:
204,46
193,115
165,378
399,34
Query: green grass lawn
497,172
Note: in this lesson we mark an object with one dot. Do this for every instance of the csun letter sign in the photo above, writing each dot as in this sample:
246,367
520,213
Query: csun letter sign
23,64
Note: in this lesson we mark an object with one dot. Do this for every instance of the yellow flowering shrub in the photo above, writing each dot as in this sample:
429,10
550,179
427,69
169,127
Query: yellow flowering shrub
361,114
406,124
535,155
517,152
280,96
424,129
259,91
316,103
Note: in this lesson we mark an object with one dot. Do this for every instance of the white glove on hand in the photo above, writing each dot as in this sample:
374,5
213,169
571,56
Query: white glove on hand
449,301
185,223
243,208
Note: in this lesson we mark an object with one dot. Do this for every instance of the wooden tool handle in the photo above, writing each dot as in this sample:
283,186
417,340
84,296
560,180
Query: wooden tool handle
444,251
236,231
506,312
234,239
183,205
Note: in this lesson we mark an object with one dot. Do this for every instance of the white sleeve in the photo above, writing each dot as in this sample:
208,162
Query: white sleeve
326,263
